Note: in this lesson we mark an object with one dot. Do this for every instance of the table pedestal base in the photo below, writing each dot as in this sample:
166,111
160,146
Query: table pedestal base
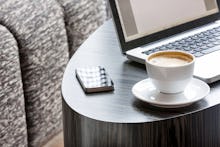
200,129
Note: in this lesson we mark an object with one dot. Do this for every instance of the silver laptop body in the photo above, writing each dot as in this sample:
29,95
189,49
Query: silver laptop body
137,36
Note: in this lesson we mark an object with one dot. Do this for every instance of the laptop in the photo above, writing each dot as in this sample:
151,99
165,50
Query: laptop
147,26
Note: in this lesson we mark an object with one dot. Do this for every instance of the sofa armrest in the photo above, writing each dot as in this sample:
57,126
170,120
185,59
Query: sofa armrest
12,109
38,26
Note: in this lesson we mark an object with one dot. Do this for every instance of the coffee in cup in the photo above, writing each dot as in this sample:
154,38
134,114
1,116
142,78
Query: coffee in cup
170,71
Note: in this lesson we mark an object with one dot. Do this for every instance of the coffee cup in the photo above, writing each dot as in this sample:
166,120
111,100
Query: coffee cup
170,71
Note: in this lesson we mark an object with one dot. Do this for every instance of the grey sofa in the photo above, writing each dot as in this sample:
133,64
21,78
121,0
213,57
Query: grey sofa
82,17
36,38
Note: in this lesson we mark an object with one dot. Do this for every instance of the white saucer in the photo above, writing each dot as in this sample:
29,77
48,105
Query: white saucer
195,91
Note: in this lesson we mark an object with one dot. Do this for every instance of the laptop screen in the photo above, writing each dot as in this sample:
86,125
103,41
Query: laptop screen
141,18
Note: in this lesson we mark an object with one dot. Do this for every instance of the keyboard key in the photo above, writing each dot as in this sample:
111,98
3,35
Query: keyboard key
207,33
216,34
212,39
169,46
205,42
187,48
204,47
194,46
198,54
176,43
192,43
156,49
191,51
216,42
188,39
217,29
210,50
199,44
198,49
199,40
182,41
149,52
162,48
201,35
213,31
210,45
195,37
204,39
211,36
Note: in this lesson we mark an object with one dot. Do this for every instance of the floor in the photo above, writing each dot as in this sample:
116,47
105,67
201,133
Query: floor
56,141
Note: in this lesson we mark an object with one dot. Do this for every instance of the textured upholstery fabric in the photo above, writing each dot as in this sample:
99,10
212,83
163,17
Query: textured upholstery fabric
39,29
34,32
12,110
82,17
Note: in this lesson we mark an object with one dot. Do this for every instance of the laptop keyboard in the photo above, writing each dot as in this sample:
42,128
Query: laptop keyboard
199,44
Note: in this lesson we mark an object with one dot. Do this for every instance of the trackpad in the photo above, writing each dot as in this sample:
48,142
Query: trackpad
207,67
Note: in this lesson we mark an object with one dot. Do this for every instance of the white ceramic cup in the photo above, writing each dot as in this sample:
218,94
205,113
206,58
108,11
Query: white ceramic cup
169,78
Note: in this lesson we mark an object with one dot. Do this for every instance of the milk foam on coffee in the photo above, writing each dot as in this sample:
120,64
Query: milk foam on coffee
170,60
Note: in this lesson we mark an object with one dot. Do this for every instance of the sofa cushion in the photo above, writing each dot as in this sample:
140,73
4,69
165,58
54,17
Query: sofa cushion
38,26
12,109
82,17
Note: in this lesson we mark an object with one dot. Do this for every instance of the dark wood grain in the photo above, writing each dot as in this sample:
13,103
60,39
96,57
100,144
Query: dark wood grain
117,118
199,129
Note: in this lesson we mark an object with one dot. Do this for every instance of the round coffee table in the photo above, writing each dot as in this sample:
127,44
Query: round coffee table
118,119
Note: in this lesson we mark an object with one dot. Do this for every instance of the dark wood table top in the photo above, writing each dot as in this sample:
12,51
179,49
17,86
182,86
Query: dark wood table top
120,106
